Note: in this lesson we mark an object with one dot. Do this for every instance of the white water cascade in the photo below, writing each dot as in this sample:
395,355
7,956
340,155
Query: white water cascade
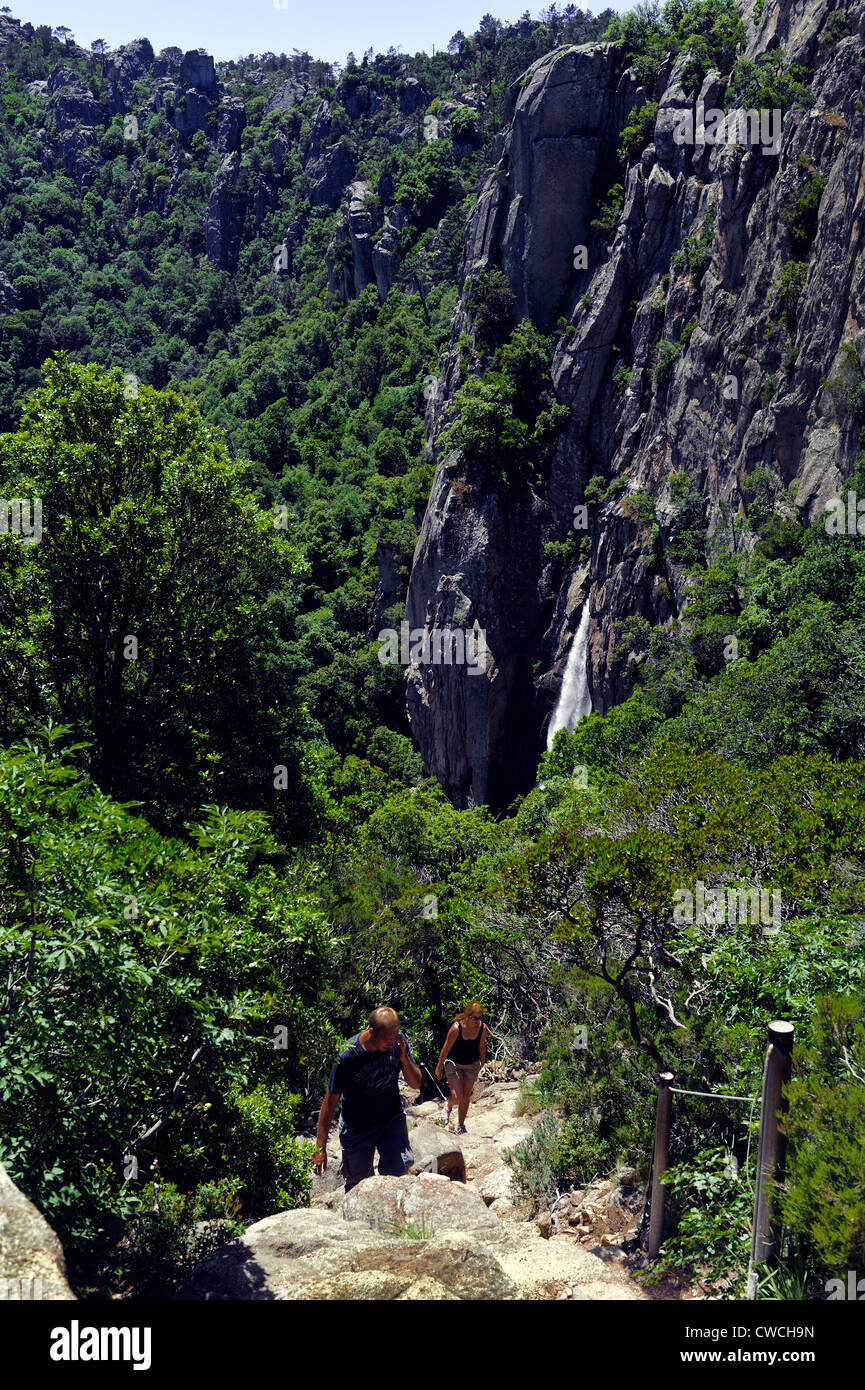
574,701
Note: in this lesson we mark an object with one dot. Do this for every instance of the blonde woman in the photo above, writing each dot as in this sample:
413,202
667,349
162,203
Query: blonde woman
461,1058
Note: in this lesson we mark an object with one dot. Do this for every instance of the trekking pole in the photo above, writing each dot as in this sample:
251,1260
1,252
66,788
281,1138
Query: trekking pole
434,1082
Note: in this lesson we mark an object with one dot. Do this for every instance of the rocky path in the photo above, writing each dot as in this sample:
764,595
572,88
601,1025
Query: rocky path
551,1259
450,1229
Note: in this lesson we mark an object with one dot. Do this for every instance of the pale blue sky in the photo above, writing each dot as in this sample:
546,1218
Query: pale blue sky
325,28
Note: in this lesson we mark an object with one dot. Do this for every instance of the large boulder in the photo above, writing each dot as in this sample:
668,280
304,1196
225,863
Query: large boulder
385,255
437,1150
330,174
74,104
79,150
31,1256
232,119
412,96
428,1203
226,210
349,257
197,70
192,111
133,62
292,91
315,1254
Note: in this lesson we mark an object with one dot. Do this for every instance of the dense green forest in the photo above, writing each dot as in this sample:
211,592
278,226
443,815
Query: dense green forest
217,834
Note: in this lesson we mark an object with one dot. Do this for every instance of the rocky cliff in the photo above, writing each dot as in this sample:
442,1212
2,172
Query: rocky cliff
701,342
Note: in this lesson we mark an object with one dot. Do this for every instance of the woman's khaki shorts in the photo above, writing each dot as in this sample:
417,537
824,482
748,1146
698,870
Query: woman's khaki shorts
467,1072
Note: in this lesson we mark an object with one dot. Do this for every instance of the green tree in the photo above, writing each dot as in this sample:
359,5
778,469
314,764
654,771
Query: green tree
142,615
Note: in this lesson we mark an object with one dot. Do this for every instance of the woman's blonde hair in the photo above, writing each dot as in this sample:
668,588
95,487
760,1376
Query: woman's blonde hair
464,1016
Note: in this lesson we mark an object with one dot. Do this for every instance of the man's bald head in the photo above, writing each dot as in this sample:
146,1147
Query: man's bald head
384,1022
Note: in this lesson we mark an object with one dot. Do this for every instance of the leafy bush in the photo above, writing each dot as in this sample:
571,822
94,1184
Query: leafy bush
492,304
787,287
849,385
509,416
825,1195
709,1208
533,1162
190,950
765,84
609,211
622,378
687,539
162,1247
801,219
427,183
666,354
638,133
595,490
463,124
271,1167
697,249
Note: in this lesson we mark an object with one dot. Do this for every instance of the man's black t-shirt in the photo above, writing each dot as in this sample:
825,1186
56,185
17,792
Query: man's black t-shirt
367,1082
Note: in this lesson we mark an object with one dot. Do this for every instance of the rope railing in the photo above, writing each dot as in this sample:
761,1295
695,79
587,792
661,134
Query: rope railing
713,1095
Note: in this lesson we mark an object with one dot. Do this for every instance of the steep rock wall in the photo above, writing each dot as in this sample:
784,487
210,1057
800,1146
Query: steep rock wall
746,386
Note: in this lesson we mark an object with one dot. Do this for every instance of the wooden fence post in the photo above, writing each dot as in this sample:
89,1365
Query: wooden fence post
663,1116
772,1148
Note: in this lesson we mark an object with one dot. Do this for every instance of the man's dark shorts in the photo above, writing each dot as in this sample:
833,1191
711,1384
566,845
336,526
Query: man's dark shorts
359,1145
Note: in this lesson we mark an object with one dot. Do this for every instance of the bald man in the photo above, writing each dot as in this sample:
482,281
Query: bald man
366,1077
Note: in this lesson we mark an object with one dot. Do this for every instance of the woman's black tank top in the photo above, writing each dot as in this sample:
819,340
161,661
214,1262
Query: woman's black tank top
466,1050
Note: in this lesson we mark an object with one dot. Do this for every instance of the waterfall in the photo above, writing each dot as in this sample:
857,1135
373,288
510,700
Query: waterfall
574,700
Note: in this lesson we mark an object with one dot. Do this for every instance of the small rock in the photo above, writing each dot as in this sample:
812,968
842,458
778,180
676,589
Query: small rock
544,1224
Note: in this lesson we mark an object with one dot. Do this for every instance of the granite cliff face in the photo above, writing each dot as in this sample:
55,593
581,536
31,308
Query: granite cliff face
698,277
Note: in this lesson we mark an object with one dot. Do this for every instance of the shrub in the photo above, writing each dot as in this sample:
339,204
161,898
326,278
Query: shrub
510,415
801,219
687,524
766,85
622,378
787,287
666,354
533,1164
825,1196
162,1247
638,133
609,212
697,249
849,385
492,304
768,391
709,1207
271,1166
641,507
594,492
